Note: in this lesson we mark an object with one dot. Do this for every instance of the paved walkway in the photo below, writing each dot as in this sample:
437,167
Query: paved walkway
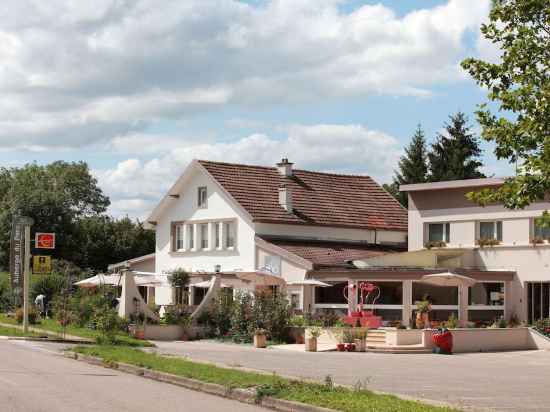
35,378
508,381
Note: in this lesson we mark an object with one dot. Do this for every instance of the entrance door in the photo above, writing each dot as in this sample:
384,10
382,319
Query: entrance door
538,300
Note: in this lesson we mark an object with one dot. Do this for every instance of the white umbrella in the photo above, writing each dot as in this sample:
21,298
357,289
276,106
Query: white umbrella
206,284
98,280
309,282
448,279
451,280
260,278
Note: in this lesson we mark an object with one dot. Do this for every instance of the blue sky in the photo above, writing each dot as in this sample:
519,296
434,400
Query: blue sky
138,90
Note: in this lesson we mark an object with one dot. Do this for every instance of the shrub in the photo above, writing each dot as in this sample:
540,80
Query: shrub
452,322
176,315
271,312
50,286
106,321
297,321
435,243
220,312
241,318
33,315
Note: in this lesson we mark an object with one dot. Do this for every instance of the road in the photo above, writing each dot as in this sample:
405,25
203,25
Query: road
506,381
34,377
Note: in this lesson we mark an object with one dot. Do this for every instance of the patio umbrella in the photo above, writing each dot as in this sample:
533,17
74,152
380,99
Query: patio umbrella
206,284
448,279
451,280
99,280
309,282
260,278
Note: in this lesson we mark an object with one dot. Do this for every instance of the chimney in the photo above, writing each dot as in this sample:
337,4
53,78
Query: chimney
285,198
285,167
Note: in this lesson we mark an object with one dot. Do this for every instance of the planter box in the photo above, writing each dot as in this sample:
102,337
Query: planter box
311,345
260,341
163,332
399,337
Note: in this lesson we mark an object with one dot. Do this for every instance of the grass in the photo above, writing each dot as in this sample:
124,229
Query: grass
6,331
338,398
53,326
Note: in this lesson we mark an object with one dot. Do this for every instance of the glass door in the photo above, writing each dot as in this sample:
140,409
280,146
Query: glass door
538,301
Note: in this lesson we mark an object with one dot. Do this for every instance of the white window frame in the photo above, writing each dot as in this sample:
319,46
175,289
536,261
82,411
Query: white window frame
190,236
269,267
446,234
227,225
179,243
217,238
298,293
495,229
202,197
203,229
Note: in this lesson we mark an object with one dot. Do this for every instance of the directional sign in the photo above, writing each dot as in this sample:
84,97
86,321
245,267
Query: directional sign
44,241
41,265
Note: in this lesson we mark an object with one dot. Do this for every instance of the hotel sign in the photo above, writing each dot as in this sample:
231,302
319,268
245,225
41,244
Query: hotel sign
44,241
16,254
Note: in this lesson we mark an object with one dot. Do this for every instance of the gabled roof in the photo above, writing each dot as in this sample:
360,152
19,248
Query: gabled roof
319,199
321,253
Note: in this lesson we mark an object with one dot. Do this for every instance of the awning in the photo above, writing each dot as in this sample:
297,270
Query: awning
206,284
260,278
99,280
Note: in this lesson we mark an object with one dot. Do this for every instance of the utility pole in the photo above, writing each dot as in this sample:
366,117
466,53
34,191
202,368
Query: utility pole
27,222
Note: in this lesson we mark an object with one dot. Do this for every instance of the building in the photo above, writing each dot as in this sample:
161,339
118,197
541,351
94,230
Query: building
489,238
279,220
342,230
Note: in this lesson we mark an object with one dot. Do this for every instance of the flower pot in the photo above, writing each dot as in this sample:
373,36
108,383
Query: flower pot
311,345
360,345
260,341
340,347
350,347
139,334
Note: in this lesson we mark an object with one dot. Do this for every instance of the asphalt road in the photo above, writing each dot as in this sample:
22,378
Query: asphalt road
506,381
34,377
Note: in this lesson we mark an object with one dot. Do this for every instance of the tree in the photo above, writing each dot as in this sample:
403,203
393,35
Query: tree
54,195
412,167
519,84
455,154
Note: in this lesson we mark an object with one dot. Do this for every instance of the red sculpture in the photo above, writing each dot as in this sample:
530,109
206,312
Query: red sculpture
366,318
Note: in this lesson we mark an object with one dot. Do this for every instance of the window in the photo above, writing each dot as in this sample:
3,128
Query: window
273,264
229,234
295,300
541,231
439,232
217,239
204,235
190,237
490,230
486,294
201,196
179,237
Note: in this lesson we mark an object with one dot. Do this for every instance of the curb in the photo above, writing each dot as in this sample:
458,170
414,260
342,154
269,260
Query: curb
237,394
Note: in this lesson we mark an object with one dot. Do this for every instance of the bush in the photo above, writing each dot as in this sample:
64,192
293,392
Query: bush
106,321
33,315
218,316
176,315
50,286
241,319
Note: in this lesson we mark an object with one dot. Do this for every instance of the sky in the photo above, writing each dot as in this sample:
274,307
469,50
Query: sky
139,88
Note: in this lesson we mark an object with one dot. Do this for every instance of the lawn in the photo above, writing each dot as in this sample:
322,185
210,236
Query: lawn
6,331
326,395
53,326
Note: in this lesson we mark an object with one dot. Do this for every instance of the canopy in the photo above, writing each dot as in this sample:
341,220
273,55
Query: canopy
309,282
448,279
140,278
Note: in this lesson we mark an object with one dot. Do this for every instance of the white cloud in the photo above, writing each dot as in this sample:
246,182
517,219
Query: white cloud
77,73
340,148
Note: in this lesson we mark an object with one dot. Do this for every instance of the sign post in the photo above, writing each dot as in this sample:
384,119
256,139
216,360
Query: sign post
27,223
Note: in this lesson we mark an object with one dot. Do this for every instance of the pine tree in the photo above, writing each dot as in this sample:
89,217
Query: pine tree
412,167
455,154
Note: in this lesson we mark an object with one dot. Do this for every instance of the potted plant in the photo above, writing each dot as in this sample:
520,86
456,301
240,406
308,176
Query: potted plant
311,339
537,240
340,346
348,340
423,309
260,339
360,339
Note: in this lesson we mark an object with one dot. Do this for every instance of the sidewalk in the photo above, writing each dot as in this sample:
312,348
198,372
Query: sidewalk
512,381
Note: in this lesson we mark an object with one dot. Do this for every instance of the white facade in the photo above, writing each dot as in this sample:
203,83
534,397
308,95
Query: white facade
181,208
463,220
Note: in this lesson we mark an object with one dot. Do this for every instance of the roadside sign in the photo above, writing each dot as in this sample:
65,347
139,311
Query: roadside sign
44,241
16,254
41,265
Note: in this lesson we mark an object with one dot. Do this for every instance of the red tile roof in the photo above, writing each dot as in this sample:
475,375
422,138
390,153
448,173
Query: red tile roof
324,199
329,253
